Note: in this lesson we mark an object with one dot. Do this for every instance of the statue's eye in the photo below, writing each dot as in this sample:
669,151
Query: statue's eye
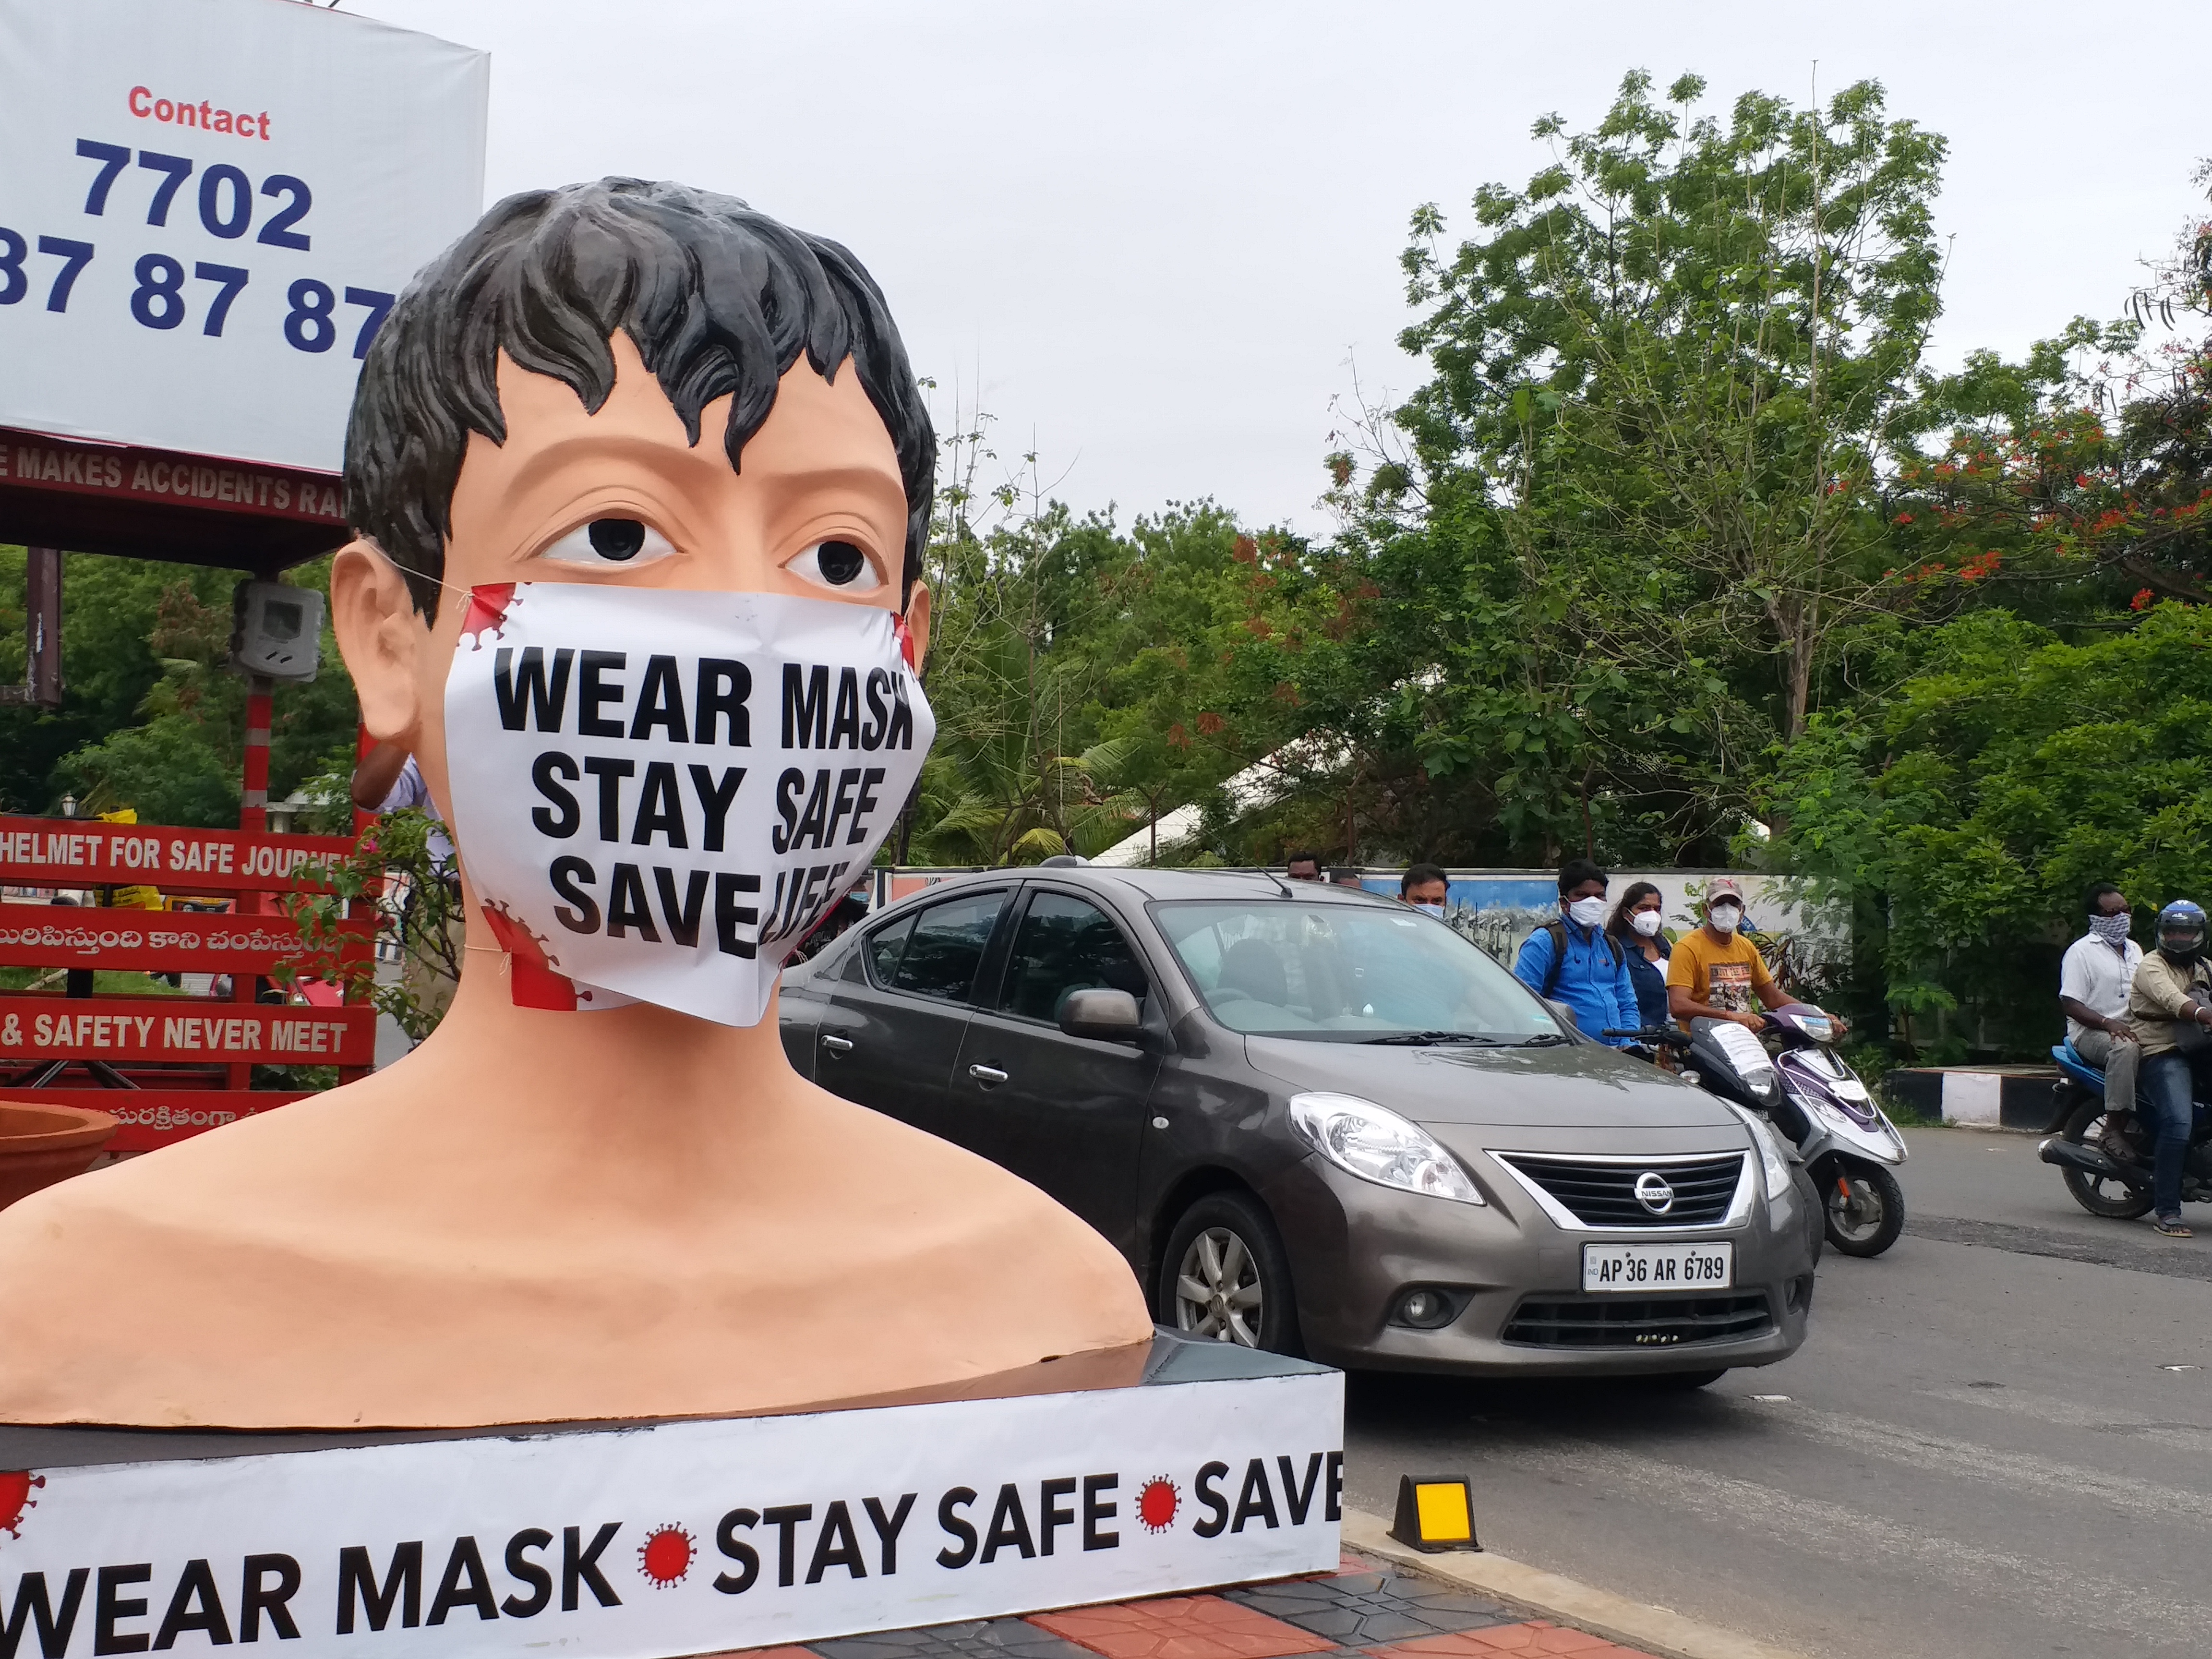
609,541
846,566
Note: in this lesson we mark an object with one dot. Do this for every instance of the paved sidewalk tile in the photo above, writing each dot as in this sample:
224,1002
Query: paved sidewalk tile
981,1639
1537,1637
1181,1627
1367,1607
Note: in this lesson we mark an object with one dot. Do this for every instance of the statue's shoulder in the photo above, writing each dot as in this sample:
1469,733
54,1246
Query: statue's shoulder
960,1228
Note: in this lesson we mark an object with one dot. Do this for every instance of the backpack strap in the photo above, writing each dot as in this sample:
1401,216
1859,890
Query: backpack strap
1558,930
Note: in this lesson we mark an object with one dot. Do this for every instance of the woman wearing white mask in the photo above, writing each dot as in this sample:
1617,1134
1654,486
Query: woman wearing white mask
1636,928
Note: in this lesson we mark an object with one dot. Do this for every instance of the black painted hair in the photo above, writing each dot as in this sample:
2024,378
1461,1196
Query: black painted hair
718,300
1575,872
1420,875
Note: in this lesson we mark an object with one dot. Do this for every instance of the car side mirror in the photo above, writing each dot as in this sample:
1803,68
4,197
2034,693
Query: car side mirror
1564,1015
1101,1012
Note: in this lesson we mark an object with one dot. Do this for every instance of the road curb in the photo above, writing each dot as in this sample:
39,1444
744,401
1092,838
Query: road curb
1616,1617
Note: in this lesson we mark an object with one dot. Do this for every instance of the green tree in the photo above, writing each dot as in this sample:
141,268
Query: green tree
1963,813
151,717
1670,378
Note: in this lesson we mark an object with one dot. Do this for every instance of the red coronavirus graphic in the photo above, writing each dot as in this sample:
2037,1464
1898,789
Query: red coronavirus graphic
534,978
666,1556
487,611
15,1497
1157,1503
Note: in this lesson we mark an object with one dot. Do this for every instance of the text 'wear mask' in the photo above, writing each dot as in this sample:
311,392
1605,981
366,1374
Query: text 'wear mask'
657,792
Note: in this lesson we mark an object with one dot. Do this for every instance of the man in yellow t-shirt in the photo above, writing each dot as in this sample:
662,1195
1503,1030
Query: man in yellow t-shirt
1715,972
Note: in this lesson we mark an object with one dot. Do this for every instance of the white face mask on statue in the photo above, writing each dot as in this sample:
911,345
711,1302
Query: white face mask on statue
658,793
1646,922
1588,912
1724,917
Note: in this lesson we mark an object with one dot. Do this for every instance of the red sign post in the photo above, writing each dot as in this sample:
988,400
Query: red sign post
167,1067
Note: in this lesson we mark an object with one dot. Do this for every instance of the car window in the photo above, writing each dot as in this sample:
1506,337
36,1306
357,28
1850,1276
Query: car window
1066,943
942,955
1344,972
884,947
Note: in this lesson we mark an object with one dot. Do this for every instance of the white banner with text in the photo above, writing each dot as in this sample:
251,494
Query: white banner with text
681,1538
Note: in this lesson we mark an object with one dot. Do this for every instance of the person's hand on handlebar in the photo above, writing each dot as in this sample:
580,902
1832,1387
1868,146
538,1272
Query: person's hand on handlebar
1754,1022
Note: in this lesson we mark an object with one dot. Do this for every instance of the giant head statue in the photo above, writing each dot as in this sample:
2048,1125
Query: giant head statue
640,479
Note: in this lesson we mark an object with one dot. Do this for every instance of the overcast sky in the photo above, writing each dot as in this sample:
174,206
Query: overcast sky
1154,237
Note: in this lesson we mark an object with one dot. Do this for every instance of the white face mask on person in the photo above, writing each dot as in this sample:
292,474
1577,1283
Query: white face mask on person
1436,910
658,793
1724,917
1646,922
1588,912
2113,930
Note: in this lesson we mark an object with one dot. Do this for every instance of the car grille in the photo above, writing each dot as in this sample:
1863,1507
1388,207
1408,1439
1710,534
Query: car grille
1604,1194
1619,1321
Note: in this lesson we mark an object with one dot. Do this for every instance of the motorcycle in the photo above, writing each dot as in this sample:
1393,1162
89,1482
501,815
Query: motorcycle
1817,1103
2106,1159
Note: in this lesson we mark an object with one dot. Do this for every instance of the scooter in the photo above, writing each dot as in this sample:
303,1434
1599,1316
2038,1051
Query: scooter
1847,1142
2106,1159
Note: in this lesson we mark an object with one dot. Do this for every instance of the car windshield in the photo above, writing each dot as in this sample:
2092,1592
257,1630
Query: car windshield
1348,973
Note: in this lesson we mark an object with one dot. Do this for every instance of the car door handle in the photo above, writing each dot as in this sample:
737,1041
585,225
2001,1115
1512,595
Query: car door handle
836,1045
989,1076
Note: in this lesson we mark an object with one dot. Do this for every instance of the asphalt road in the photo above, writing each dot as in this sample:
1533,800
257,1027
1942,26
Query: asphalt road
1984,1450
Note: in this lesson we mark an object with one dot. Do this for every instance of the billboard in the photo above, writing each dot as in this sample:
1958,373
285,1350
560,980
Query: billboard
206,208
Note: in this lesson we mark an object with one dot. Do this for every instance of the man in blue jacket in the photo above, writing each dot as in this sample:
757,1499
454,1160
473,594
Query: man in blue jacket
1575,960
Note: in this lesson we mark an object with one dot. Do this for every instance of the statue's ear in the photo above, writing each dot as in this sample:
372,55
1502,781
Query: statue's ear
917,624
381,635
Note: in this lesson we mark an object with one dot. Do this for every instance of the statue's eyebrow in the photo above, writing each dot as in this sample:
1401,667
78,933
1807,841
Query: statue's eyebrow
694,466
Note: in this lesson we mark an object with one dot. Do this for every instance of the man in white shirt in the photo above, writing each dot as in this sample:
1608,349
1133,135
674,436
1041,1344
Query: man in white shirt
387,779
2093,990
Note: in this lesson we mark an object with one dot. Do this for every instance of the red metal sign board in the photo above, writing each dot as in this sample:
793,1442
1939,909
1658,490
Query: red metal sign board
149,1119
129,1031
71,853
34,936
30,460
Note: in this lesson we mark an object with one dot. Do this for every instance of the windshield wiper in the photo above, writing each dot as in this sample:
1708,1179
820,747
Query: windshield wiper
1544,1040
1429,1039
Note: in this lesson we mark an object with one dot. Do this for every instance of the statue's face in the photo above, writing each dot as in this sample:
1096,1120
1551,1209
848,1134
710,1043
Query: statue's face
621,498
820,482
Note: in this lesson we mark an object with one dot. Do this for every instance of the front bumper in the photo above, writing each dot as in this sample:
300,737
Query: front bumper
1355,1248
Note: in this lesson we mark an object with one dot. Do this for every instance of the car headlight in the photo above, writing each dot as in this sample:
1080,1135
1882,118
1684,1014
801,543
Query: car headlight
1773,1165
1376,1145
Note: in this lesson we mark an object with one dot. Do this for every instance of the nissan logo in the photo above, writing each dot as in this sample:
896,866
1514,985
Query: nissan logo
1653,1193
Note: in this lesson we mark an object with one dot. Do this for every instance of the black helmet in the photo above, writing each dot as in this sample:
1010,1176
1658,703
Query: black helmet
2181,932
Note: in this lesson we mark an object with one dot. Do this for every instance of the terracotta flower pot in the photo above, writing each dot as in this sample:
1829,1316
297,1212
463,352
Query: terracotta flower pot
41,1145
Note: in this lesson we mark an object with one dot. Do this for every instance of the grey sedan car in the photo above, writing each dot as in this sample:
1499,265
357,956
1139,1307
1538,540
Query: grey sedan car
1316,1121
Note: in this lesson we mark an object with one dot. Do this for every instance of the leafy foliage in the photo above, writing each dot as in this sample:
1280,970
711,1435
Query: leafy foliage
2006,771
150,716
418,913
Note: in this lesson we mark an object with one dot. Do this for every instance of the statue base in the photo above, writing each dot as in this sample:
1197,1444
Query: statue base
650,1540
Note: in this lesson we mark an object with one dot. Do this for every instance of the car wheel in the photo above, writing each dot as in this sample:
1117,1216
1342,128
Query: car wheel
1225,1276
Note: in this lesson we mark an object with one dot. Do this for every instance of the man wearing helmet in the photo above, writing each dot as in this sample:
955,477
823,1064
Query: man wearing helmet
2170,1004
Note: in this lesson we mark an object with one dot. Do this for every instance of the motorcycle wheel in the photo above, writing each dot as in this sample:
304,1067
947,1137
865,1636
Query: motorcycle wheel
2114,1199
1865,1208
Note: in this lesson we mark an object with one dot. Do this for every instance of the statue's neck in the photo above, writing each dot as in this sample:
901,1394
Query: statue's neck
585,1076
